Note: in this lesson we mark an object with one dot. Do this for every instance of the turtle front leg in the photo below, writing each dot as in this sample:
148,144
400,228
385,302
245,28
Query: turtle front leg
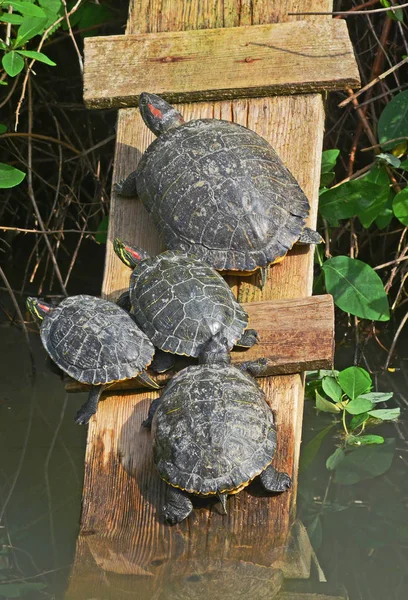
310,236
257,368
91,405
275,481
152,409
127,186
178,506
247,339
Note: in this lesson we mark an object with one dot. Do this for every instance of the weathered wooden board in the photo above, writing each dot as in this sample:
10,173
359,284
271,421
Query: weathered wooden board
120,529
294,335
208,64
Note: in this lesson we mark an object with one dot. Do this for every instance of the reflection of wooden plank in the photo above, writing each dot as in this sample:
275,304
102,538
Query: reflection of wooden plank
180,65
122,492
295,335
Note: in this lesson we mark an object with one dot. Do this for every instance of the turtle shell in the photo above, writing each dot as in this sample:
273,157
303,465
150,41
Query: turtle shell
181,303
95,341
219,190
213,430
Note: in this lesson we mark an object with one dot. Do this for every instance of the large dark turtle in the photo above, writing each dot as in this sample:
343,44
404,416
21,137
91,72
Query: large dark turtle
181,302
213,433
94,341
218,190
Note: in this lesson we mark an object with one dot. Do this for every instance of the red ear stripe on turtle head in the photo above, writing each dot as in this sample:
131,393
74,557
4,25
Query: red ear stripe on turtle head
44,307
133,253
155,111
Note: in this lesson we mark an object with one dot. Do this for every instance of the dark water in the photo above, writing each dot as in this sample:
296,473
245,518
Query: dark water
359,532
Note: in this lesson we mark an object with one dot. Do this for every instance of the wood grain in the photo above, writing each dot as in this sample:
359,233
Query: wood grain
294,335
120,527
180,65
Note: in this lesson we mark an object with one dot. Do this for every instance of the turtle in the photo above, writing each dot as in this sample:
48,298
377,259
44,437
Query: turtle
213,432
94,341
219,190
180,302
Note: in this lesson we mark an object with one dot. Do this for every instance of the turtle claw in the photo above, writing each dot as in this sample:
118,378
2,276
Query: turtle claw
178,506
83,417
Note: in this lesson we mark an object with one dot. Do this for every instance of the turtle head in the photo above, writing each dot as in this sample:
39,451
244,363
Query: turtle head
38,308
130,255
216,351
159,115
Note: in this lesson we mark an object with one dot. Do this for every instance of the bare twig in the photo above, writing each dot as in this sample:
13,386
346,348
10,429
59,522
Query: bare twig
353,12
392,262
394,341
39,136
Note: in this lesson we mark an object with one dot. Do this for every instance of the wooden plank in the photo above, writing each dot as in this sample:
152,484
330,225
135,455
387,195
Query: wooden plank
294,335
122,493
248,60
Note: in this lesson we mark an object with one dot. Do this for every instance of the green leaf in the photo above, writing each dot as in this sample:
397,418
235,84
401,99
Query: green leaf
3,128
309,452
400,206
365,462
378,396
326,178
386,215
331,388
12,63
335,459
354,382
38,56
325,405
329,159
359,406
358,420
102,234
397,15
393,122
385,414
364,440
27,8
29,29
347,200
390,159
356,288
11,18
404,165
9,176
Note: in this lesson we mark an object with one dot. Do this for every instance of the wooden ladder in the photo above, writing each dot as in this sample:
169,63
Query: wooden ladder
178,48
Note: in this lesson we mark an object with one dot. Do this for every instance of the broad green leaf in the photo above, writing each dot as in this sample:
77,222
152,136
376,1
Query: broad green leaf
393,122
38,56
404,165
309,452
365,462
358,420
377,396
329,159
27,8
29,29
12,63
385,414
356,288
335,459
348,199
378,175
102,234
364,440
332,388
359,406
9,176
354,381
326,178
325,405
386,215
11,18
368,211
3,128
394,15
389,159
400,206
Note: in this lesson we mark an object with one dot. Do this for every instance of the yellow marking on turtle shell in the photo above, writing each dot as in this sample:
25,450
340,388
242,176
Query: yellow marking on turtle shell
173,410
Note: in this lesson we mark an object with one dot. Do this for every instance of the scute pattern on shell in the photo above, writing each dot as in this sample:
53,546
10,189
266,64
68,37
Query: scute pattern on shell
181,302
219,190
95,341
213,430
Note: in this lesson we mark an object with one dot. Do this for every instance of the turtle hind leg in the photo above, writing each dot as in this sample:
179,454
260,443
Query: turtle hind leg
178,506
247,339
152,409
127,186
275,481
310,236
91,405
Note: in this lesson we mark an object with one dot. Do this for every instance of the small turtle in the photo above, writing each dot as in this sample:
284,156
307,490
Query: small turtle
218,190
213,432
181,303
94,341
